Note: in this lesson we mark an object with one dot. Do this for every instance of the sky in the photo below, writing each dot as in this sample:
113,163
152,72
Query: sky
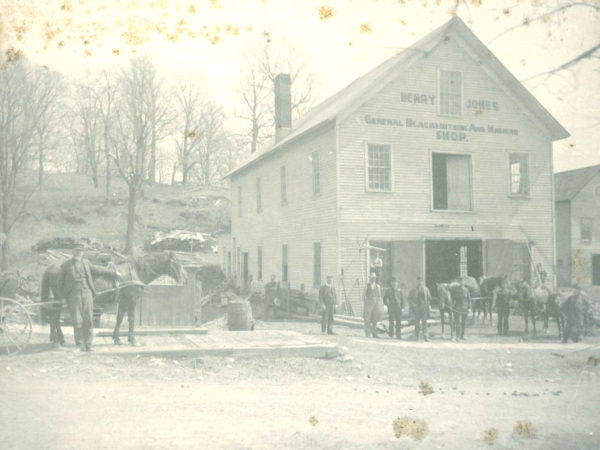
340,39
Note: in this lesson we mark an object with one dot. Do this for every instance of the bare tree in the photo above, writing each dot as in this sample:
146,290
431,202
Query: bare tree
190,127
161,116
106,99
131,134
257,84
21,111
50,86
86,127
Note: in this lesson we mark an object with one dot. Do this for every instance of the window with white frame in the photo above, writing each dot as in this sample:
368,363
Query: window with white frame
519,173
450,93
464,266
239,198
316,174
379,167
258,196
283,181
586,229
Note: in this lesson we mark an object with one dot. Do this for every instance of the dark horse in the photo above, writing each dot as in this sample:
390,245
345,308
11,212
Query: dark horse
445,303
488,285
135,274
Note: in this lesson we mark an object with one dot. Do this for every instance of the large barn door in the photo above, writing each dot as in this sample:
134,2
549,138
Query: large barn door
407,261
499,257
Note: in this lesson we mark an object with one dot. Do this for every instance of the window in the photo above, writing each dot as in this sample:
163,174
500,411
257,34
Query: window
519,173
596,270
283,186
316,174
451,182
379,167
450,93
463,261
586,229
258,197
317,264
259,263
284,262
239,198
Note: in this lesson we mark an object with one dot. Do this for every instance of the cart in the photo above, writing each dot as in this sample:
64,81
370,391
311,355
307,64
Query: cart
15,324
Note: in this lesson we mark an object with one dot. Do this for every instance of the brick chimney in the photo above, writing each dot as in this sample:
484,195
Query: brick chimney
283,106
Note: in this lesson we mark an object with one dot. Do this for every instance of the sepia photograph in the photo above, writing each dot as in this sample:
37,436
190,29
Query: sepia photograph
299,224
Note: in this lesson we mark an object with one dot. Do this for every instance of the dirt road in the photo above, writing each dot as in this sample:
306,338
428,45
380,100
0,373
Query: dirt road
62,399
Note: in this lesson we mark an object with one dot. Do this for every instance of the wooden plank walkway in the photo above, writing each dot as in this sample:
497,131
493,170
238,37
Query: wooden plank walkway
259,343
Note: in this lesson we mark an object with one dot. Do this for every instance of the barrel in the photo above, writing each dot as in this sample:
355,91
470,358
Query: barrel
239,316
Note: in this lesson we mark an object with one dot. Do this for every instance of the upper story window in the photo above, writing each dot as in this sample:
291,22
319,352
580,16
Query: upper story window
316,174
283,180
239,199
586,229
379,167
450,89
258,196
519,173
451,181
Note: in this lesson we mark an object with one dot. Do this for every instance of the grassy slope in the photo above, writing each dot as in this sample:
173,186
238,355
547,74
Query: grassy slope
67,198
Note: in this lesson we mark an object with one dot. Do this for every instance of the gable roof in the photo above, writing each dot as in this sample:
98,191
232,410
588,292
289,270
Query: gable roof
568,184
362,88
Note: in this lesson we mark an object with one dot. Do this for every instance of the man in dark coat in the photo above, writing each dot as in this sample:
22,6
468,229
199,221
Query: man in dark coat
502,296
461,299
394,300
371,306
327,303
78,289
271,294
420,299
573,310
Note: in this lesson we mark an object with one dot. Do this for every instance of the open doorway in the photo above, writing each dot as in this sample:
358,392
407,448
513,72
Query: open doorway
446,260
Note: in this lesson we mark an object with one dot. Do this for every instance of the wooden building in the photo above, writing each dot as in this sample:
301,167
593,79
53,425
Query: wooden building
439,156
578,226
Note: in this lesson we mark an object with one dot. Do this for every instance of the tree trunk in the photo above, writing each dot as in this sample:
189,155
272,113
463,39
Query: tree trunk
129,240
5,249
108,166
41,166
184,175
173,173
152,165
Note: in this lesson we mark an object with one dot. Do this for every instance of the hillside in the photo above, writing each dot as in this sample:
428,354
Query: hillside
68,205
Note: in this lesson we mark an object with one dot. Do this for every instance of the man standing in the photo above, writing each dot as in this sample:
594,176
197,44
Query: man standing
271,294
394,300
420,299
327,302
461,299
78,289
372,302
573,309
501,301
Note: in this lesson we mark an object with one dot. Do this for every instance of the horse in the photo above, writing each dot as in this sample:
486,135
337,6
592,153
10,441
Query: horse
533,300
445,305
140,271
488,285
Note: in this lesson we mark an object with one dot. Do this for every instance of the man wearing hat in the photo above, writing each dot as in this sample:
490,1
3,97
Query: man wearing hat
78,290
573,310
327,302
420,299
501,301
394,300
372,303
461,303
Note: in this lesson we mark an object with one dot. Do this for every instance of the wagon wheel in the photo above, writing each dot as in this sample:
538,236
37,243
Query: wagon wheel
15,325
